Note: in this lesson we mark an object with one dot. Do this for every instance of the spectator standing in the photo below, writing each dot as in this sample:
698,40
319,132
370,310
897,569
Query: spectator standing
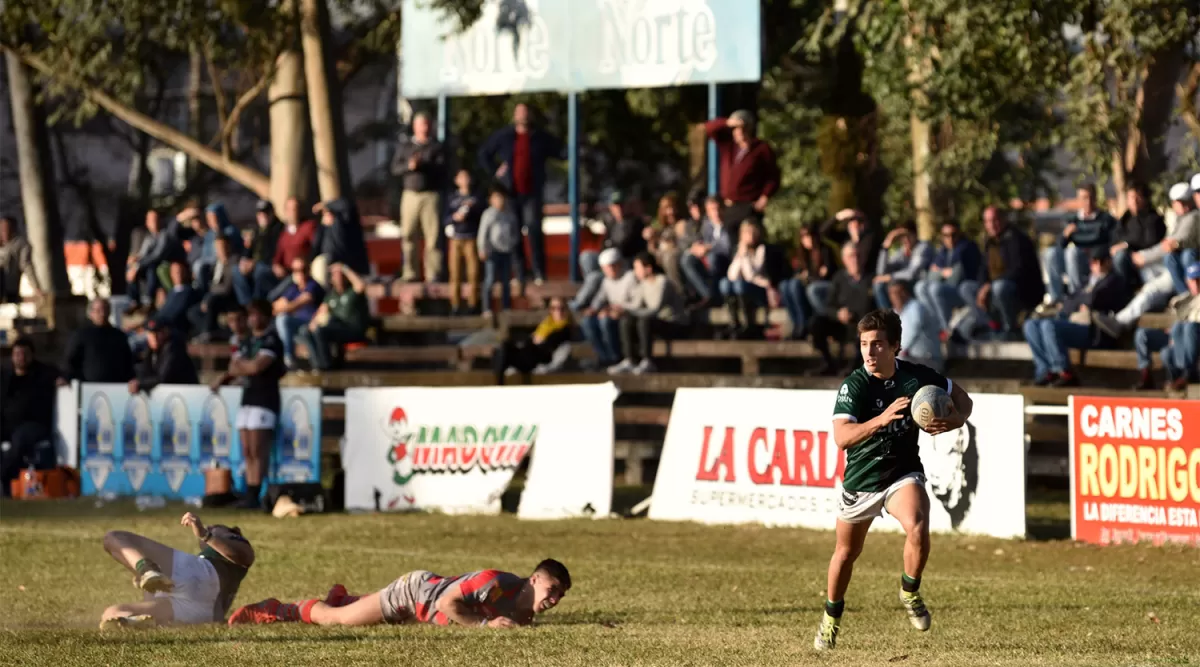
295,308
341,319
27,398
499,236
656,311
749,174
254,279
952,279
545,351
1050,338
517,156
1068,257
1139,228
745,285
1179,345
920,340
165,361
904,257
850,299
420,163
16,260
221,296
99,352
617,293
338,239
807,292
463,214
1009,280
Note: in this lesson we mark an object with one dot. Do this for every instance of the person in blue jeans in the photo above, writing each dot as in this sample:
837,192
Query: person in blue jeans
807,293
1070,254
905,257
499,235
599,321
744,287
950,282
295,308
1179,345
1050,338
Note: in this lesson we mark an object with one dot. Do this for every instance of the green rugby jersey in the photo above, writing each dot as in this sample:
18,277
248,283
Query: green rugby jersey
891,452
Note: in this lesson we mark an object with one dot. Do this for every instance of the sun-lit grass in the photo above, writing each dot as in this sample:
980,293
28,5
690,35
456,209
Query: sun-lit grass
645,593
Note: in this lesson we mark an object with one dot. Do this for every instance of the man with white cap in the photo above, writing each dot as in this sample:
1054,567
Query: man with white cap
599,321
748,170
1162,265
1179,345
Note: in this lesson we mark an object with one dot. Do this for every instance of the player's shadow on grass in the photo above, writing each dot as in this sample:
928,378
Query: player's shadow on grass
608,620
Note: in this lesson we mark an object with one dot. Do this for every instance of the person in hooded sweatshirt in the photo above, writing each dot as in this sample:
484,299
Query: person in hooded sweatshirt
338,240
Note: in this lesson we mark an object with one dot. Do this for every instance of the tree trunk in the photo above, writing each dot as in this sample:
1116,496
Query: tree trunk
1156,101
288,130
324,103
922,135
43,226
195,117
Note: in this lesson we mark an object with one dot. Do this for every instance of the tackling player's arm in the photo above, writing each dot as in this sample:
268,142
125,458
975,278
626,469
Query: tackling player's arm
962,411
227,543
455,605
848,433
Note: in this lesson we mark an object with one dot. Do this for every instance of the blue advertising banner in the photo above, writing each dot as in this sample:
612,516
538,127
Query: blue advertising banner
575,45
159,444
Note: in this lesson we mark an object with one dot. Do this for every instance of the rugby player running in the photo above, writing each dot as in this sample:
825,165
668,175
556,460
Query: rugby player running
488,598
873,425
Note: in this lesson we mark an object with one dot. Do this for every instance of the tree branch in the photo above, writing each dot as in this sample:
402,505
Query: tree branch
218,89
1187,92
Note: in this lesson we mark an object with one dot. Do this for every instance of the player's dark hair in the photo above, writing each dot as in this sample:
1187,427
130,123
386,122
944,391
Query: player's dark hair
260,306
881,320
555,569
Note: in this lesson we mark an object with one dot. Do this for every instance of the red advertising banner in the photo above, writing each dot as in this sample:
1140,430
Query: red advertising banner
1135,470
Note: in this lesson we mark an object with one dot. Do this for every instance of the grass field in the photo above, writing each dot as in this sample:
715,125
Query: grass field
645,593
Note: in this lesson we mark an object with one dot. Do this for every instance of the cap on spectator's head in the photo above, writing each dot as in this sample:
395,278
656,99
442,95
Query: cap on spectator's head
263,206
1099,253
1195,182
1180,192
745,117
616,197
610,256
1193,271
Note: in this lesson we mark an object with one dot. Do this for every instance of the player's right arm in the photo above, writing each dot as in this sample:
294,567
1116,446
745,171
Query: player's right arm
850,428
458,603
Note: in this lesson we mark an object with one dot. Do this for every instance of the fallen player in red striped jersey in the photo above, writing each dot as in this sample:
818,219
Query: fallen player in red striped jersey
488,598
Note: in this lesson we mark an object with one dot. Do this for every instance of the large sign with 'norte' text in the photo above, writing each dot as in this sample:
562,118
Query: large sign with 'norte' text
573,45
768,456
455,450
1135,470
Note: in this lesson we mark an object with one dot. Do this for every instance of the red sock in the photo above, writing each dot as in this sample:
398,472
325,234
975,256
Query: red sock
306,607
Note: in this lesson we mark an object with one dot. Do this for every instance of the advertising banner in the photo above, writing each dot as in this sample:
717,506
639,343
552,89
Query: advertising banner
1135,470
521,46
768,456
159,444
455,450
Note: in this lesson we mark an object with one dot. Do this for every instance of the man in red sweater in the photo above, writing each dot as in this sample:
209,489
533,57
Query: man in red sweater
749,173
295,241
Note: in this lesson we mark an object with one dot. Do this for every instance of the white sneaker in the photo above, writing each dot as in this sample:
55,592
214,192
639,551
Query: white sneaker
626,366
827,632
646,366
541,369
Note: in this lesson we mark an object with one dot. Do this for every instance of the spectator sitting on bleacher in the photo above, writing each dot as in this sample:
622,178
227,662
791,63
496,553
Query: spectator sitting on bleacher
179,301
951,280
545,351
462,226
341,319
295,308
1050,338
16,259
165,361
1069,255
907,261
98,352
1162,263
197,229
218,226
599,319
850,299
254,279
807,292
745,285
295,242
1009,279
338,240
142,283
151,272
696,280
657,311
717,239
623,230
27,398
919,341
220,297
499,234
660,236
1179,346
1139,228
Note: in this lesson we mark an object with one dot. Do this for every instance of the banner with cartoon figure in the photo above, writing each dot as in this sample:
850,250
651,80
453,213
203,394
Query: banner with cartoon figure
159,444
455,450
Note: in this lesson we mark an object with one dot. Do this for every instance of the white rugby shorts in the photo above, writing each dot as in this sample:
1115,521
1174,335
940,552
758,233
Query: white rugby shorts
194,599
254,418
859,506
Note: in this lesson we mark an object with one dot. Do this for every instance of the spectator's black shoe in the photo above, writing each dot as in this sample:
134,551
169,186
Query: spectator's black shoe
1065,379
1046,380
1145,381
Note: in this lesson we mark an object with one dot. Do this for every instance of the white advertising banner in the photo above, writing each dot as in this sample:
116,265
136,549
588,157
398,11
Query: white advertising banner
66,425
455,450
768,456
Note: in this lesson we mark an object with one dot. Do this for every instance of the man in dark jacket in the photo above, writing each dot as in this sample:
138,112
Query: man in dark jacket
1010,281
254,278
339,240
27,398
166,360
517,156
1050,338
99,352
1140,227
623,230
420,163
221,296
850,298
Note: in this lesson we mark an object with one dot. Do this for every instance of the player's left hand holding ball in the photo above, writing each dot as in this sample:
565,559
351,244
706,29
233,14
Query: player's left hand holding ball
951,422
192,521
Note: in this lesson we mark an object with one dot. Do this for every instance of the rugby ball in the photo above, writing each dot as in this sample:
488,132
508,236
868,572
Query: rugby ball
930,403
